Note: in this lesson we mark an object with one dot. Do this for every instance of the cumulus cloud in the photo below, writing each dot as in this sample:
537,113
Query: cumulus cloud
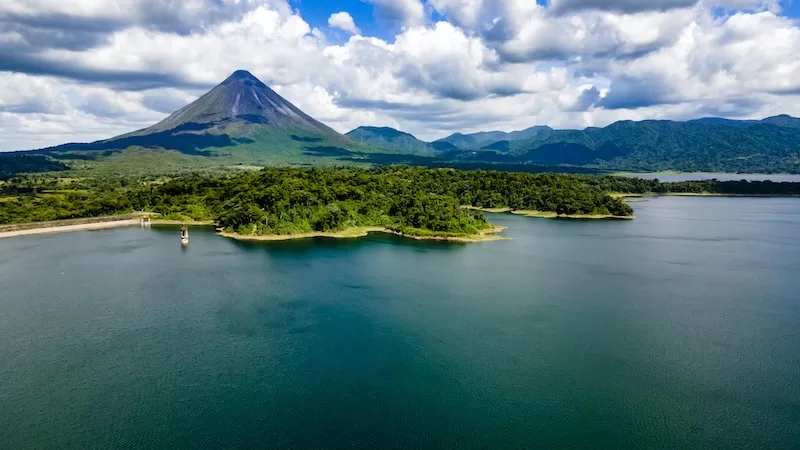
343,21
403,12
634,6
626,6
466,13
182,17
80,70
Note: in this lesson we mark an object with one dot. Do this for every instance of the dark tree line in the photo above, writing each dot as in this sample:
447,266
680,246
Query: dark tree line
741,187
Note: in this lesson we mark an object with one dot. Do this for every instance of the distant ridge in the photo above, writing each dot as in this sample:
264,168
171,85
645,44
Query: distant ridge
707,144
391,139
487,138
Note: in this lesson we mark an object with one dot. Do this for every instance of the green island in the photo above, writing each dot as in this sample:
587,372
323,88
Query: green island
284,203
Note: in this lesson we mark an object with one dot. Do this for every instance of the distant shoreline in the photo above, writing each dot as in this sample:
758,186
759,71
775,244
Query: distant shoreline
693,194
678,172
490,234
552,215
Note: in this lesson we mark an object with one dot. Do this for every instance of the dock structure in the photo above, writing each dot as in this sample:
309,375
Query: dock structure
145,222
184,235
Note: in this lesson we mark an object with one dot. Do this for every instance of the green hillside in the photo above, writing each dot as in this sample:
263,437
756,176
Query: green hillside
391,140
488,138
705,145
666,145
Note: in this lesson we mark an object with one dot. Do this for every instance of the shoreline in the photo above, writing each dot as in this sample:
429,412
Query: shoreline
87,224
551,214
490,234
624,196
90,224
628,174
70,228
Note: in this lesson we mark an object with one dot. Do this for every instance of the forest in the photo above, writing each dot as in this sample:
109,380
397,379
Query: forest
641,186
12,163
410,200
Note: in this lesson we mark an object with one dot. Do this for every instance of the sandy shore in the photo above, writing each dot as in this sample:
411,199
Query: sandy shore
88,224
552,215
55,227
490,234
69,228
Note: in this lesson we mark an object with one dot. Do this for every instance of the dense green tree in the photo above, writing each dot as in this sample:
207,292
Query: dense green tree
292,200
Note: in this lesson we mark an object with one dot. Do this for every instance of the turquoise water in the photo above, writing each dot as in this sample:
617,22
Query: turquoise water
680,329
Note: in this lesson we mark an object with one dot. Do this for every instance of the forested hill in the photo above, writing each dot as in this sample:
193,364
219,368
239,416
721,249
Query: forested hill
392,140
13,163
491,138
665,145
704,145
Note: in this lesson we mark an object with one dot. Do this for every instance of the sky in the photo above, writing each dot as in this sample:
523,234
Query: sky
83,70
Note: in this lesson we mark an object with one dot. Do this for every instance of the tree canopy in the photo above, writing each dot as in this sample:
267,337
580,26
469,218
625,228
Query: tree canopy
291,200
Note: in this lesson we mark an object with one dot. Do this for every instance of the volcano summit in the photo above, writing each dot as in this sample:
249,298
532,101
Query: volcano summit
241,119
242,100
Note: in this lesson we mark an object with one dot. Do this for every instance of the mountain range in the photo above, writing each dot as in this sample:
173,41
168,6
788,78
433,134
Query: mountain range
243,121
706,145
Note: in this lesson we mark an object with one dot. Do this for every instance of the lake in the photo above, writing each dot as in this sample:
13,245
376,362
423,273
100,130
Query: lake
680,329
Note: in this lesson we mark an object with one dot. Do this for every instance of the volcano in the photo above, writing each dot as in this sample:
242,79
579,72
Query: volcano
241,119
242,100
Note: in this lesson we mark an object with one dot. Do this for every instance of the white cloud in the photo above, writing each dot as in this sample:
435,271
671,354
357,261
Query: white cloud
43,111
404,12
343,21
505,64
467,13
621,5
194,14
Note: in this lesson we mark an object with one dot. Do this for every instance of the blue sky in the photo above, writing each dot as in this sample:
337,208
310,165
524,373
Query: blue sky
364,13
316,12
791,8
367,17
77,70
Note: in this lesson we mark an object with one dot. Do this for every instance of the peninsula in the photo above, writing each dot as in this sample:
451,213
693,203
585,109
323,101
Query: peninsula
281,203
343,202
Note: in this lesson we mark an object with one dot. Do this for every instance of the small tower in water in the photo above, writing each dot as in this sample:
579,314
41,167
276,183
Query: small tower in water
184,235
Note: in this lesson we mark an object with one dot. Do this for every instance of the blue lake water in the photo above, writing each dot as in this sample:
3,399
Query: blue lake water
680,329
